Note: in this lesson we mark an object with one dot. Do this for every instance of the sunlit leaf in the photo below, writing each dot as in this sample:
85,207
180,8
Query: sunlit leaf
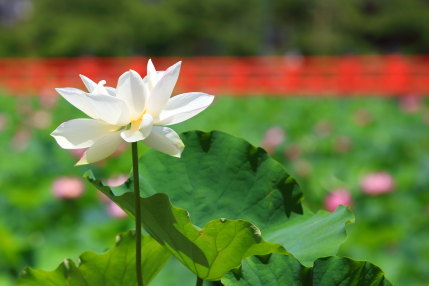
311,236
209,252
220,175
113,268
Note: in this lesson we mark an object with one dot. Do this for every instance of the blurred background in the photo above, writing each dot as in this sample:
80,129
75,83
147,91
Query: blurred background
335,90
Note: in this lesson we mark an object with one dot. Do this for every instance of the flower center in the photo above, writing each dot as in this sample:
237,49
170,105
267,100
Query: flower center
135,124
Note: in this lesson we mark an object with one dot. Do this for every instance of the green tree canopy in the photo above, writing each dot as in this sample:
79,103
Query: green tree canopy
216,27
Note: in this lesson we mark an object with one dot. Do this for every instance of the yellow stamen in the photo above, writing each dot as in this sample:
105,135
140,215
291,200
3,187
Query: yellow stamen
135,124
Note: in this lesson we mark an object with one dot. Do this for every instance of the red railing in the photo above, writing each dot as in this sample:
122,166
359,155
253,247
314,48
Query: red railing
331,75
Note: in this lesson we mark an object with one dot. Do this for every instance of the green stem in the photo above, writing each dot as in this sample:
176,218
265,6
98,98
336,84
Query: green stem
138,214
199,281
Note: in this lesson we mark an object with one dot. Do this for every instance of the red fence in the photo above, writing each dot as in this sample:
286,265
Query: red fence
333,75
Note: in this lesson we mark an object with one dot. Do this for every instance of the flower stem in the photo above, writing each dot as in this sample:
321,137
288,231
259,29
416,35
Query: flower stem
199,281
138,214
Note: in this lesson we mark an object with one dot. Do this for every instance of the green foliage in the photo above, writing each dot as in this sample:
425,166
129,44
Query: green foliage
217,27
311,236
112,28
39,229
281,270
248,184
115,267
228,177
209,252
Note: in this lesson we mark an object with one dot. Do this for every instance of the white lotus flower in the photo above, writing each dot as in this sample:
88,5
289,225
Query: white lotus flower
136,110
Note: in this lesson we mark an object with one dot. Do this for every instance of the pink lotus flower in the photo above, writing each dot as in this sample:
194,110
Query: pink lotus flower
120,150
323,128
77,152
116,180
48,98
342,144
273,137
362,117
67,187
293,151
114,210
426,117
21,140
3,121
411,103
41,119
302,168
377,183
338,197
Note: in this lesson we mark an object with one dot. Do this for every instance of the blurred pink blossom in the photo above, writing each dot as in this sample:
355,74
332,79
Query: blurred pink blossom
112,182
120,150
103,197
272,138
77,152
426,117
410,103
48,98
323,128
24,105
116,180
302,168
342,144
114,210
41,119
67,187
21,140
3,121
293,151
377,183
362,117
338,197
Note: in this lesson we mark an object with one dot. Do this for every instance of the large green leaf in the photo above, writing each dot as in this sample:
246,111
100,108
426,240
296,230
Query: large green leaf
311,236
116,267
220,175
209,252
279,270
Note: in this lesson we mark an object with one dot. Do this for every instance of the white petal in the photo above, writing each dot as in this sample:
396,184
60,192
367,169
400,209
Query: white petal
100,89
102,148
78,99
107,108
131,89
151,72
153,76
184,106
165,140
139,131
92,86
162,90
111,91
110,109
80,133
89,84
